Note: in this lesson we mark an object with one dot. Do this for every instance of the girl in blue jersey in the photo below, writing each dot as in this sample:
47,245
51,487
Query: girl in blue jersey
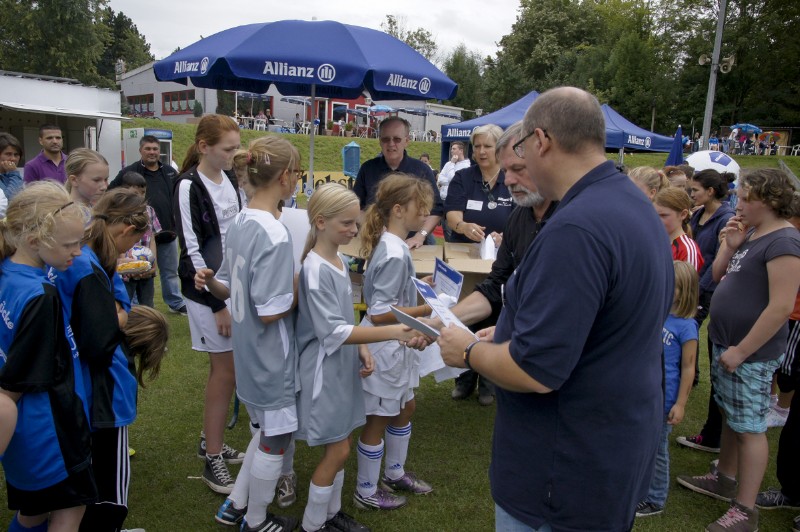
680,347
401,205
37,369
91,296
257,273
331,403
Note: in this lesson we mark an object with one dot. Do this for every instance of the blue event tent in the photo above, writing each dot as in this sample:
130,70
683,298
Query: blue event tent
620,132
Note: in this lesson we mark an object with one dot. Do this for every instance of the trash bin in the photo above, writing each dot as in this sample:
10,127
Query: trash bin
351,159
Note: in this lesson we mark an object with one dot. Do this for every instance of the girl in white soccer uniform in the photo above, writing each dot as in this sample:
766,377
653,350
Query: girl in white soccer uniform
257,274
401,204
331,403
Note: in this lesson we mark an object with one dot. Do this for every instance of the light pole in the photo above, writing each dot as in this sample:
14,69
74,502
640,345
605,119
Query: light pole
712,79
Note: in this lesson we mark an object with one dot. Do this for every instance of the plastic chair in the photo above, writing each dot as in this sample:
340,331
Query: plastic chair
796,149
305,128
260,124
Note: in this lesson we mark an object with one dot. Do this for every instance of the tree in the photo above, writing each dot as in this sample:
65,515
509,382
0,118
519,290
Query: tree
80,39
125,43
55,38
419,39
466,68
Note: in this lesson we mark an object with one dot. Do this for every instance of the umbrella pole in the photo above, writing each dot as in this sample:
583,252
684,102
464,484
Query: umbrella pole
310,185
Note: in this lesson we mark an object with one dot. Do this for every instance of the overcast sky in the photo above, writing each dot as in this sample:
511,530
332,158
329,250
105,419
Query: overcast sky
168,24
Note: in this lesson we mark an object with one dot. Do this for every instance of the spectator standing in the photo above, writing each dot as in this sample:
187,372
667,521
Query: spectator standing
10,154
478,202
578,339
708,189
160,179
49,164
758,270
393,136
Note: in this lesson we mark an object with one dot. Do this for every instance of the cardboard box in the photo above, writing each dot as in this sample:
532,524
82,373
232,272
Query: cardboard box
424,257
466,258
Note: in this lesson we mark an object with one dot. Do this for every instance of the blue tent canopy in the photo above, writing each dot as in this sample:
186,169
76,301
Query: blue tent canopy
620,132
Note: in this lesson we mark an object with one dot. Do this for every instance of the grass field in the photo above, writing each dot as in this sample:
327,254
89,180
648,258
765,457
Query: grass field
328,150
450,448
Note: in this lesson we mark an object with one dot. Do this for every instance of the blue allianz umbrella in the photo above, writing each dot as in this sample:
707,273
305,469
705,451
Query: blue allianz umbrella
747,128
296,101
357,112
414,111
379,108
675,156
308,58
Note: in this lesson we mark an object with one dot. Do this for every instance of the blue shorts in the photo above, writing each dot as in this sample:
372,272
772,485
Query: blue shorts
743,395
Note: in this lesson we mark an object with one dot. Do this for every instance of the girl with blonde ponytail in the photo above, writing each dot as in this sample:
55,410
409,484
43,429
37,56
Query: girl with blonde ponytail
402,203
330,403
257,274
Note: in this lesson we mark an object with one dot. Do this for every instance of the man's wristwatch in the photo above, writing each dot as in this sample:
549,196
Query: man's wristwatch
424,233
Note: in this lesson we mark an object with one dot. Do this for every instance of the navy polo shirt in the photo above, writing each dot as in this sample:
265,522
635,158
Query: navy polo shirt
584,313
372,171
466,194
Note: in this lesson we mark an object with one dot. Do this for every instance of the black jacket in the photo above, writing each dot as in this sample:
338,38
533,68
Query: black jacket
206,229
159,192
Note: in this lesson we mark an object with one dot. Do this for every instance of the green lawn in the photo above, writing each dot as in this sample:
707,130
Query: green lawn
450,448
328,150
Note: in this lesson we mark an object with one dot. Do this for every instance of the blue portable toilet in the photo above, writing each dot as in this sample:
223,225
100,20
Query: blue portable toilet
351,157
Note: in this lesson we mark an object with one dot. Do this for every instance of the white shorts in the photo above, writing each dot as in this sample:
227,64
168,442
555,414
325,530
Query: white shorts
381,406
203,328
274,422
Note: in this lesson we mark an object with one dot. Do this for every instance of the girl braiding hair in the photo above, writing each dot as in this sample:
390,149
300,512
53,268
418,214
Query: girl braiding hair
396,188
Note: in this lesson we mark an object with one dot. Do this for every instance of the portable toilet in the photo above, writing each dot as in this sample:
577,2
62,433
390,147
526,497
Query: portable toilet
351,157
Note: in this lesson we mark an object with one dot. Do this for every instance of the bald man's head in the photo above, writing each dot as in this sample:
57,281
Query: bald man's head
572,118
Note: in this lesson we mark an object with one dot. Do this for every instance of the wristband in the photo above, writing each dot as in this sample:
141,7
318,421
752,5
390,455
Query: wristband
467,352
459,223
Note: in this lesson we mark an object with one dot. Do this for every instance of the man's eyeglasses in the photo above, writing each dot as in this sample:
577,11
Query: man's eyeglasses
396,140
519,146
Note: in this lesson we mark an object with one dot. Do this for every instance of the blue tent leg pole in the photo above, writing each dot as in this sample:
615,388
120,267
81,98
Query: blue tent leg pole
235,416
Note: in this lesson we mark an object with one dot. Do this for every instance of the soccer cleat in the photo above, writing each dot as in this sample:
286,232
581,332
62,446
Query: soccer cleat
796,524
712,484
216,475
342,522
774,498
182,311
273,523
646,509
229,454
408,482
738,518
462,390
286,491
380,500
696,442
229,515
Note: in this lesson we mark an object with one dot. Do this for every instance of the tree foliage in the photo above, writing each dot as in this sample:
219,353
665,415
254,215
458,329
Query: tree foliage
466,68
641,57
419,39
80,39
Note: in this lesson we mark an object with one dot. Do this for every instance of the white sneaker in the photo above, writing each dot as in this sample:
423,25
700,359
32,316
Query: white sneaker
776,417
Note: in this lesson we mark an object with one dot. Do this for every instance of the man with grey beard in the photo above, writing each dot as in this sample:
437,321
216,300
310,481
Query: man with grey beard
524,223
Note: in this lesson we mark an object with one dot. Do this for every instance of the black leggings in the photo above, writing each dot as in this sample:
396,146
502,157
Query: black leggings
713,426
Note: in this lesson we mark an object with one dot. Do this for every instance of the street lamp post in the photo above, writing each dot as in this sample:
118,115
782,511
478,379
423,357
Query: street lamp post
712,79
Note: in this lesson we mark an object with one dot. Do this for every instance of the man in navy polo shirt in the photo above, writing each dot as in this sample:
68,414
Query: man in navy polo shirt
576,354
393,136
